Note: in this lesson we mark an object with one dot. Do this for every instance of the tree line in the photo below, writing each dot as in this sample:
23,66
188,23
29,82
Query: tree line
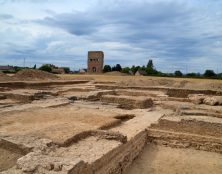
150,70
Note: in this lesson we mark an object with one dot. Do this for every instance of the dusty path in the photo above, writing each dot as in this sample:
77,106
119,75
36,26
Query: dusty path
160,159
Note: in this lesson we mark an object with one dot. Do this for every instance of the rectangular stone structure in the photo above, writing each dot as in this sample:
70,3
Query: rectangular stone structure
95,62
129,102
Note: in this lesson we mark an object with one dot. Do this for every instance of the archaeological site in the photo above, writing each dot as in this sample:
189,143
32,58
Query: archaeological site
110,87
86,124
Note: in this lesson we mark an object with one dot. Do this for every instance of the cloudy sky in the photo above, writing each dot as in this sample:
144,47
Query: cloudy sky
176,34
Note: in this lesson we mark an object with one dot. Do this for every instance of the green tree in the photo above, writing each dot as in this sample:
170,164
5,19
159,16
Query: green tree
126,70
45,68
34,67
150,64
17,69
219,76
178,73
192,74
107,68
143,68
209,73
117,68
150,70
66,69
134,69
113,68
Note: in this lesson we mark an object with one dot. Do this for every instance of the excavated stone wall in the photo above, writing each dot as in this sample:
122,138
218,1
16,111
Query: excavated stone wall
116,161
191,126
128,102
171,92
185,140
35,84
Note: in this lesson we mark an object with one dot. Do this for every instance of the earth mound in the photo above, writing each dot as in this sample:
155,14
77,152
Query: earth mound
4,77
30,74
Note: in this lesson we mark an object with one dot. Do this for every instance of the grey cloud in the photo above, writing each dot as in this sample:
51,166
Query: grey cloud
19,1
5,16
135,23
131,16
77,24
173,31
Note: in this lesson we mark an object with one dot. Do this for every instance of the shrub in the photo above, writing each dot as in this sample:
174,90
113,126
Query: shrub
178,73
107,68
45,68
126,70
209,73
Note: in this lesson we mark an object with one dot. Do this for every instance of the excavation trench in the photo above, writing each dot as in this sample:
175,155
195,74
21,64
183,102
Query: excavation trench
18,84
119,154
10,153
171,92
150,146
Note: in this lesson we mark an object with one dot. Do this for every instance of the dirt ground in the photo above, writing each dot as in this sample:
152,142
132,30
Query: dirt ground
152,81
7,159
101,123
64,122
159,159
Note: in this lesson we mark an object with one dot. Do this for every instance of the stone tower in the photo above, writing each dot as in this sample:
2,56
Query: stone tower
95,61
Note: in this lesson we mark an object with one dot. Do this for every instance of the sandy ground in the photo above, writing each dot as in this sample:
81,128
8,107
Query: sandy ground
64,122
7,159
150,81
160,159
